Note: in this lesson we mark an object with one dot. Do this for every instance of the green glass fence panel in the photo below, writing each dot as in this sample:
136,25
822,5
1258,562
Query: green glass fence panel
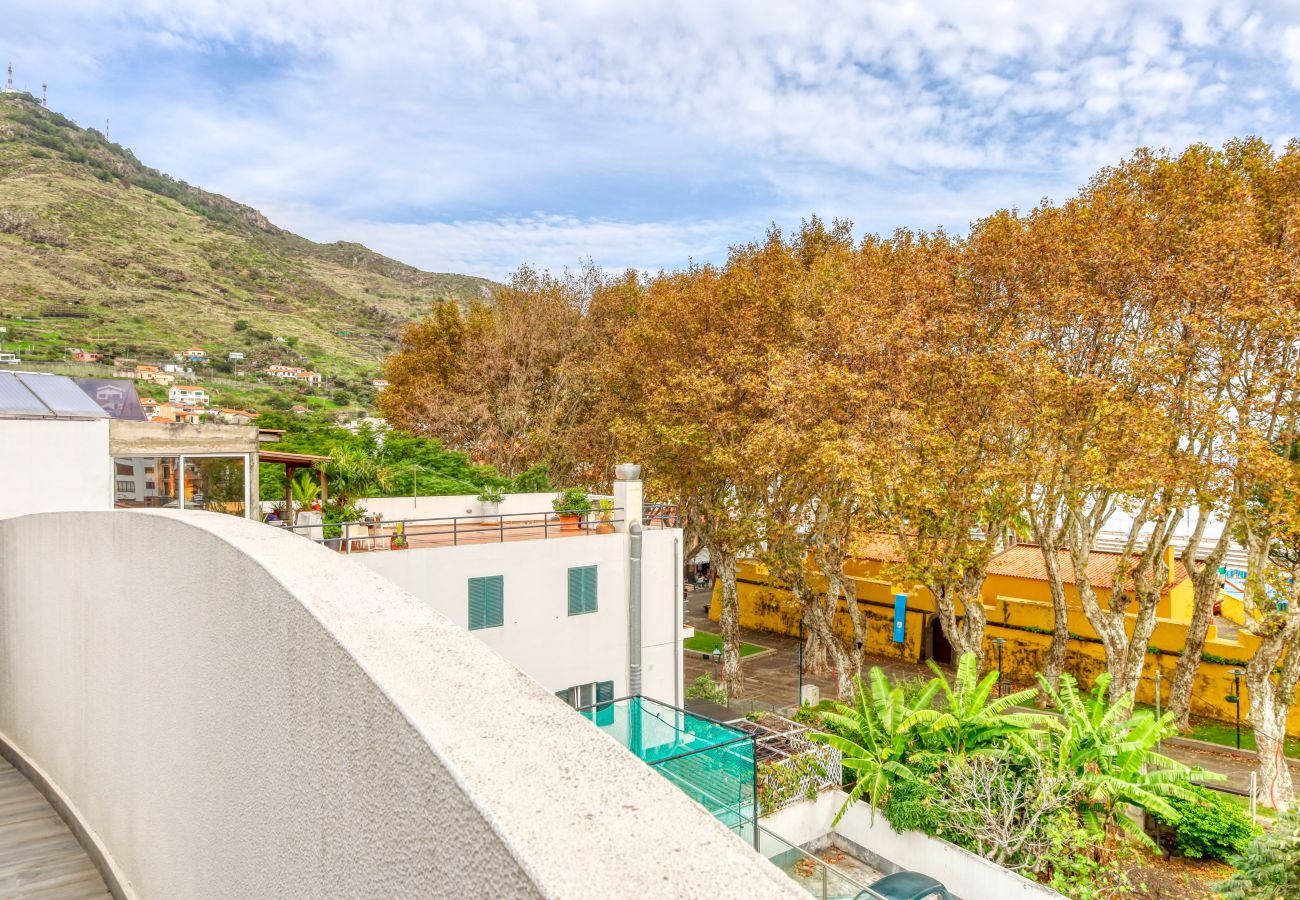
713,764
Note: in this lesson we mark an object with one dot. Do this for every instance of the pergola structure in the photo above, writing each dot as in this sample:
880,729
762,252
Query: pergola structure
292,462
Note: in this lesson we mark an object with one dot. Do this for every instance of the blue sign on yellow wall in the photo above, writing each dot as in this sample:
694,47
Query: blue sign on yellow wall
900,618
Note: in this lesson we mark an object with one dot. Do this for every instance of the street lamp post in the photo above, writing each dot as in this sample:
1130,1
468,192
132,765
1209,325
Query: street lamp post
799,703
998,642
1235,699
1158,703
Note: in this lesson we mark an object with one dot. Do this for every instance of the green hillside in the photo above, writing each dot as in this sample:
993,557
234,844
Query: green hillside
99,252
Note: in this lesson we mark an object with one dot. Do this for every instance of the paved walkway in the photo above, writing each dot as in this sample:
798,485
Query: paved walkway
39,857
772,683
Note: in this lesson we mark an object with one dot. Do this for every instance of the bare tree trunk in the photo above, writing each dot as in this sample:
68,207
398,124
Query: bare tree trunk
966,635
1054,664
1125,655
729,622
1269,705
859,624
821,630
1108,623
1205,590
816,653
839,585
1134,656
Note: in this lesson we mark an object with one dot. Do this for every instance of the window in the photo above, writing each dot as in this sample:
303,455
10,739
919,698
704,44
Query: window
486,602
582,590
589,698
153,490
214,483
584,696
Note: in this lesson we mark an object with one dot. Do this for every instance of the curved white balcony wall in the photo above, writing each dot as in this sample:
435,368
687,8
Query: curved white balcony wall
232,711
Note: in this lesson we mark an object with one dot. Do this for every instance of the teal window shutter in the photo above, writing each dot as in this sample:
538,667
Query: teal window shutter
604,694
582,590
486,602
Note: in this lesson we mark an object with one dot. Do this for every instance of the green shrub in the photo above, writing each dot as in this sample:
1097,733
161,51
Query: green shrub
572,501
705,688
1082,869
1210,827
1270,867
910,807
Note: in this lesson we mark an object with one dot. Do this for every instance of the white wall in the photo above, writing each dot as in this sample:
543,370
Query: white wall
50,465
538,635
287,724
456,505
964,874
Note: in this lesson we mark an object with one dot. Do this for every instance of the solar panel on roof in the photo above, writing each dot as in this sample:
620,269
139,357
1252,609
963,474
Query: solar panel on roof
28,394
16,399
62,395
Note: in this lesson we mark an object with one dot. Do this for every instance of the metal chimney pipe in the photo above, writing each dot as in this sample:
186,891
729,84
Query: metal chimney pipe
634,610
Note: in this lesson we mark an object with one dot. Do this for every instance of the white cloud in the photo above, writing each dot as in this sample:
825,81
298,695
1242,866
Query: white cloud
635,132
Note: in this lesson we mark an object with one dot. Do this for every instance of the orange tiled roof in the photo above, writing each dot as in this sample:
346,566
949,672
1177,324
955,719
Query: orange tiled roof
1026,561
880,546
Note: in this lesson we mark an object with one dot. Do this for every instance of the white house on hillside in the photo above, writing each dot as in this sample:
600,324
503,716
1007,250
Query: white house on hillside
187,395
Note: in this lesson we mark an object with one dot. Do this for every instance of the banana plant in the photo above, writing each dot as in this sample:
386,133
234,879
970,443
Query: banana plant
972,723
874,736
1113,755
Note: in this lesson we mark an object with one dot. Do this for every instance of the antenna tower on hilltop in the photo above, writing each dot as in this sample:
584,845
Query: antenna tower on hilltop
106,121
45,95
9,85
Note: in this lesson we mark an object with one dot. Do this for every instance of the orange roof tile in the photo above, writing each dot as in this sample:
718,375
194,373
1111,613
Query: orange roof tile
879,546
1026,561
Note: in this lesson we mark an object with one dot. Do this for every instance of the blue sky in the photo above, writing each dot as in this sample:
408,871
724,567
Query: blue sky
477,136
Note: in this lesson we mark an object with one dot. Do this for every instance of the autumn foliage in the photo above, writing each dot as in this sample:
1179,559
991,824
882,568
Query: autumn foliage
1133,348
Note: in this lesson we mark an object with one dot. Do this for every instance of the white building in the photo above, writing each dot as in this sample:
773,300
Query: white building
53,446
187,395
294,373
564,609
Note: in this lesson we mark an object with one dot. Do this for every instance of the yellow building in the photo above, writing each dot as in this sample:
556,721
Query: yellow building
1017,602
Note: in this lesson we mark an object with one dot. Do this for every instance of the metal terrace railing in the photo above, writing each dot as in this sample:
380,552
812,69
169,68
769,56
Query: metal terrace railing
375,533
818,877
661,515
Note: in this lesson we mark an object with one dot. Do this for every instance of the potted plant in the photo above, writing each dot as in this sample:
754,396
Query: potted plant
398,539
606,507
335,533
572,504
491,498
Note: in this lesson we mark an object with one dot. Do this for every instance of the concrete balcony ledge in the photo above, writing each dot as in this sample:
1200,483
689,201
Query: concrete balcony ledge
226,710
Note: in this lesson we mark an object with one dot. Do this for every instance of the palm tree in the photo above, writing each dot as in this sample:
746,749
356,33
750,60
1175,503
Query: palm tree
353,475
304,490
873,736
